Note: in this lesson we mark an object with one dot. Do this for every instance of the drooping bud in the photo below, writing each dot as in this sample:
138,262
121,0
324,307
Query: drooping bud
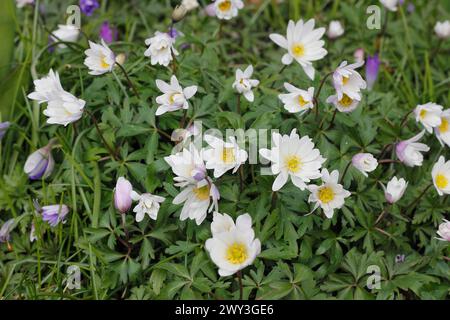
122,195
179,13
40,163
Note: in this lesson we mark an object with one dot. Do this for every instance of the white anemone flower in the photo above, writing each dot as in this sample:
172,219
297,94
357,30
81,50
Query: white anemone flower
174,97
303,44
66,33
47,88
441,176
443,130
297,100
442,29
294,157
391,5
330,195
224,223
227,9
444,231
410,151
188,165
198,199
428,114
148,204
346,104
99,58
161,48
395,189
234,249
348,81
243,84
335,29
364,162
223,156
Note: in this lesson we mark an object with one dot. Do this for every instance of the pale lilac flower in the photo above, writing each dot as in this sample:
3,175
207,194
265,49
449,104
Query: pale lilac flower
210,10
88,6
5,230
54,214
40,163
122,195
359,55
444,231
409,151
372,68
394,189
107,33
3,127
364,162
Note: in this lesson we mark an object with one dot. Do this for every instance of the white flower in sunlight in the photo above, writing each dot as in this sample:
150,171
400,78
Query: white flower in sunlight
223,156
160,48
428,114
444,231
227,9
364,162
23,3
243,84
66,33
346,104
62,107
234,249
442,29
297,100
330,195
47,88
394,189
409,151
174,97
348,81
303,44
335,29
99,58
441,176
294,157
224,223
391,5
443,130
198,199
188,165
190,4
148,204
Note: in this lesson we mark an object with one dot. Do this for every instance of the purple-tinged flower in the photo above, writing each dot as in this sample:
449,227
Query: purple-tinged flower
359,55
122,195
33,236
364,162
3,127
54,214
173,33
5,230
410,151
444,231
210,10
372,67
107,33
40,163
399,258
411,7
88,6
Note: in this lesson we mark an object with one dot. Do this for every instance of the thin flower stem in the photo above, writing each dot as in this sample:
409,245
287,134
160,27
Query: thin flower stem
127,234
383,213
238,104
383,232
130,83
183,119
345,171
332,120
279,72
402,124
316,96
414,203
241,178
388,161
110,150
241,289
383,151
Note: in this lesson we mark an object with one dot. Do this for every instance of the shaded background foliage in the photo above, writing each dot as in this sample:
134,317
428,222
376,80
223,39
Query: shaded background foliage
303,257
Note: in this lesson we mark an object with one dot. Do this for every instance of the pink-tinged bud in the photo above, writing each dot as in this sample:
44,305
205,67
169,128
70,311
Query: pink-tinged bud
40,163
122,195
359,55
364,162
395,189
444,231
372,68
410,151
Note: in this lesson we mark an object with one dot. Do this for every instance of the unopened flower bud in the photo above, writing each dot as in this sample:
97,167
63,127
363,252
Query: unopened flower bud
120,58
178,13
122,195
40,163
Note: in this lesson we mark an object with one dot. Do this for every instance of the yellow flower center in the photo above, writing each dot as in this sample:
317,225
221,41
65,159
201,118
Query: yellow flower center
346,101
228,155
444,125
301,101
422,114
345,80
103,63
202,193
326,194
225,5
293,163
236,253
441,181
298,50
171,98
